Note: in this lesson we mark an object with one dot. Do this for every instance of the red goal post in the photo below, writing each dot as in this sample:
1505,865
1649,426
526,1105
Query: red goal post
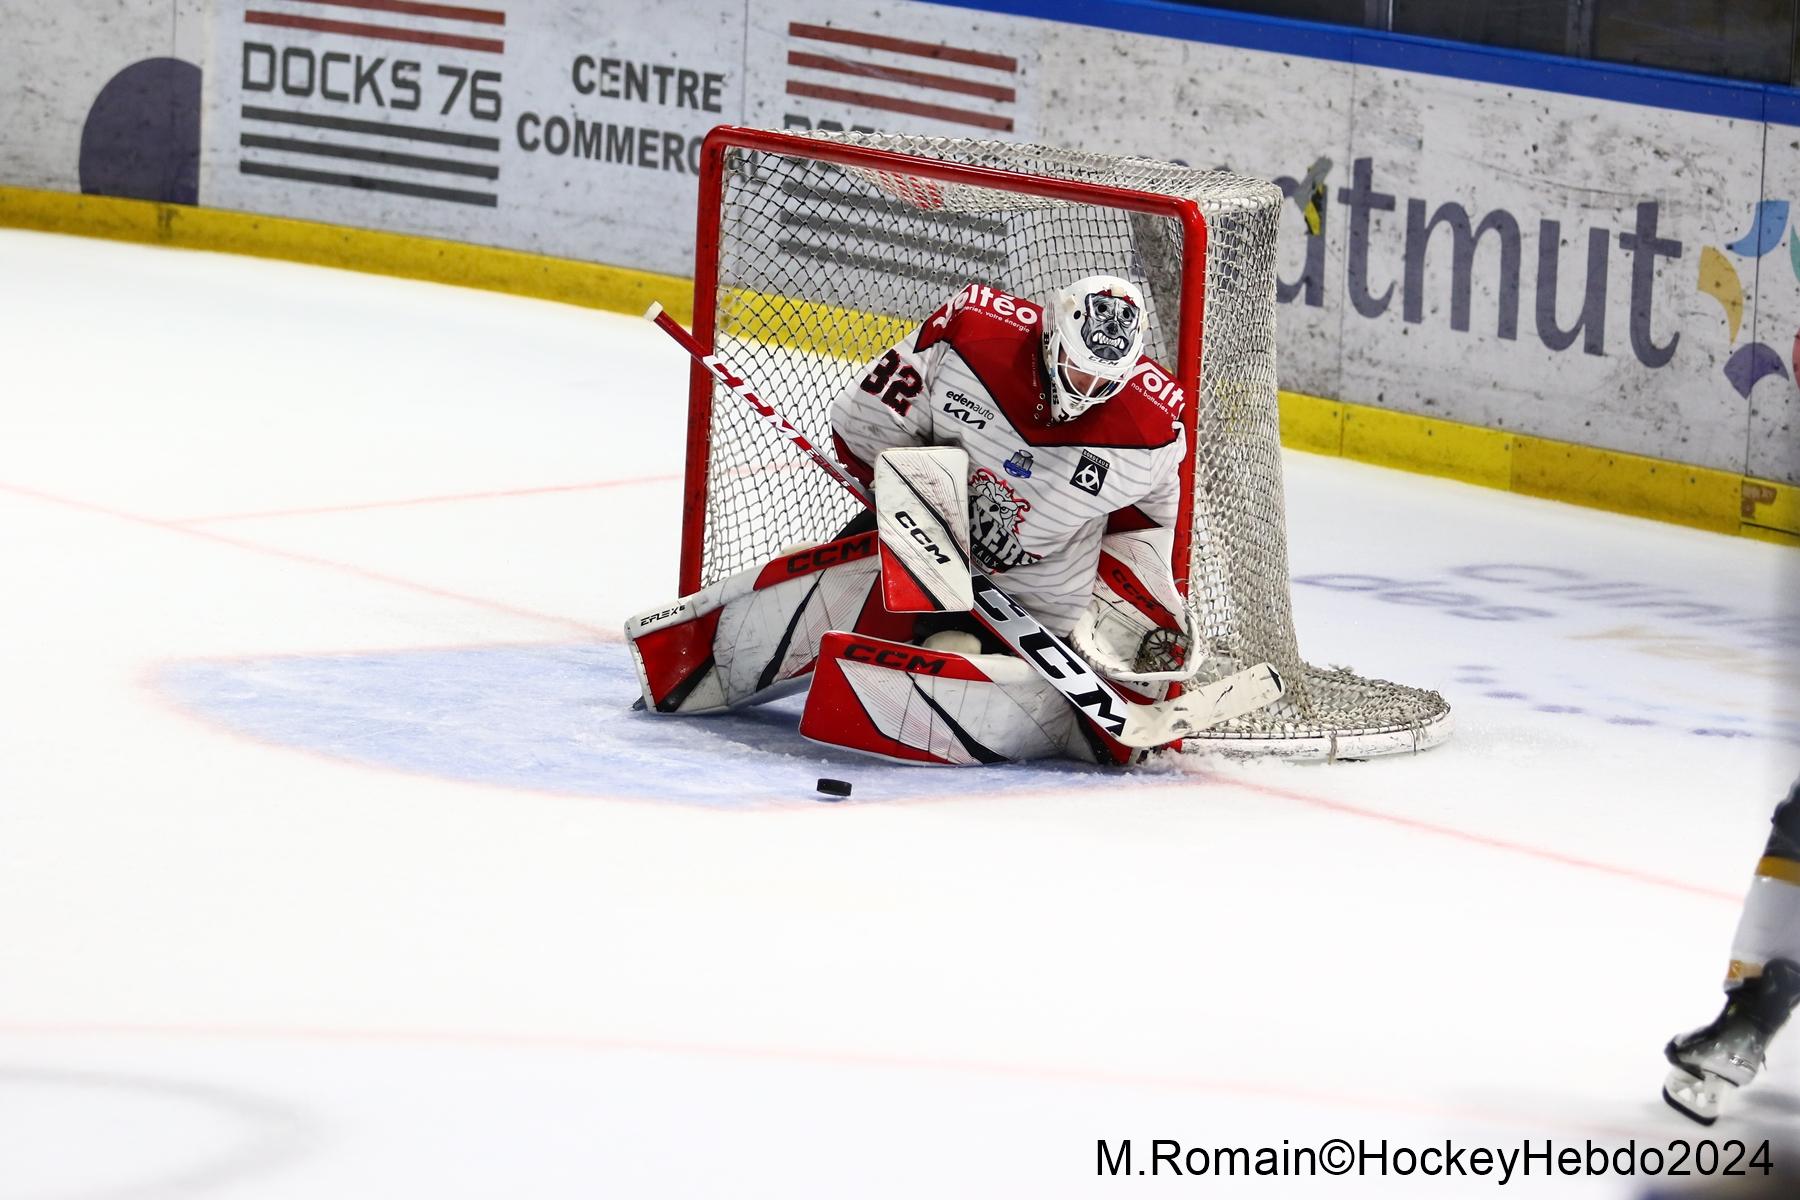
815,251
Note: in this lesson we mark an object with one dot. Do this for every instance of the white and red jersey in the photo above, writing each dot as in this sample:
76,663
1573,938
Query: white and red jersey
1041,494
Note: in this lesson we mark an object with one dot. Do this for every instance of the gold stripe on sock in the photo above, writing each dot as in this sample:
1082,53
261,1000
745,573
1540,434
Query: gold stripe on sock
1739,971
1784,869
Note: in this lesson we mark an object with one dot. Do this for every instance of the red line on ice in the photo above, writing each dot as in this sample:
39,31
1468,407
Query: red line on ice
1189,777
1481,839
330,564
457,498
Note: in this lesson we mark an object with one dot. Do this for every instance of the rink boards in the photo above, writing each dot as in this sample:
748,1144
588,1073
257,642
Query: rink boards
1603,253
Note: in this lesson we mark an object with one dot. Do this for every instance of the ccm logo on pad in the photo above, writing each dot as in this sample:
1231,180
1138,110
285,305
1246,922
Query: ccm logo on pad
899,660
920,536
830,554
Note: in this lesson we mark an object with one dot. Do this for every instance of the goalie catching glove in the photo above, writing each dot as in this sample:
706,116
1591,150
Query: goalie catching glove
1137,629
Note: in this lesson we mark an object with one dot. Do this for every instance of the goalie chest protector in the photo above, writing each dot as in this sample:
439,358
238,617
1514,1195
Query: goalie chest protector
1034,483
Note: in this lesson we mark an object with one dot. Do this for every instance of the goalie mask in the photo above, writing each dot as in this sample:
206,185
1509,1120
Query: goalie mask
1093,340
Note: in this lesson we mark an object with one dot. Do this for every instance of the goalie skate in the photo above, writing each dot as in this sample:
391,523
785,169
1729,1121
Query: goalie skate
1697,1097
1714,1061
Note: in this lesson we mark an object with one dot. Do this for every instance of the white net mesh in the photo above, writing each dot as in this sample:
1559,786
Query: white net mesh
821,267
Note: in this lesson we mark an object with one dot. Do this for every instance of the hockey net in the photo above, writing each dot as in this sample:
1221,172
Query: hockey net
817,251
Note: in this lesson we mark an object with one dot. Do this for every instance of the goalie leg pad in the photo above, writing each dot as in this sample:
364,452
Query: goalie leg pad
916,705
754,635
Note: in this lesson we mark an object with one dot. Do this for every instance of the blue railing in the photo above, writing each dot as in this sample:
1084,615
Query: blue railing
1429,56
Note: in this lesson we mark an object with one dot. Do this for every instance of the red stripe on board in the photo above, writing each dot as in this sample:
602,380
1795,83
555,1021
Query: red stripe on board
874,41
386,32
449,12
943,83
937,112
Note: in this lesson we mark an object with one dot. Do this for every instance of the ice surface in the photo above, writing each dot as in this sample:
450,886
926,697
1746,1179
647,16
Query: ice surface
332,862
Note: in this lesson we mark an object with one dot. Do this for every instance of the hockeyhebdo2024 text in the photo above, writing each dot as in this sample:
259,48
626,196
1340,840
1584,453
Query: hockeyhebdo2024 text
1336,1157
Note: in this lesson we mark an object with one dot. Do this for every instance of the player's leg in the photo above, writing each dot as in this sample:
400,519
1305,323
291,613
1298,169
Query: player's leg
1762,987
753,636
941,703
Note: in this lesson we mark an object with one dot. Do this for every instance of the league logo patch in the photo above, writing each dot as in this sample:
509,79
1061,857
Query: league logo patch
1090,475
1019,465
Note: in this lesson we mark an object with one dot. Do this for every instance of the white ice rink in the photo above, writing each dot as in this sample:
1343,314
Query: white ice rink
332,864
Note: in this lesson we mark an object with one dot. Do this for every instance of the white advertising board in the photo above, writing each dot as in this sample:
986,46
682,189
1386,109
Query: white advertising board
56,60
907,68
1577,268
1765,269
564,129
1622,275
1537,272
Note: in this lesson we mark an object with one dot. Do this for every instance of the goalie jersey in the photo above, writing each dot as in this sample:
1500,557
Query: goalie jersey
1042,494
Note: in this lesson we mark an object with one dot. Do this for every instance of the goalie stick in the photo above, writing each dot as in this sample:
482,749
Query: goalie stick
1102,706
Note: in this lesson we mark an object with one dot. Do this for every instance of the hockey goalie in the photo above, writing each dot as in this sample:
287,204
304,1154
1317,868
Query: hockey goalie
1036,444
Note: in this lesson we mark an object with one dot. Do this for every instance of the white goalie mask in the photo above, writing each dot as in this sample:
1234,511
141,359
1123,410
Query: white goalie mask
1093,339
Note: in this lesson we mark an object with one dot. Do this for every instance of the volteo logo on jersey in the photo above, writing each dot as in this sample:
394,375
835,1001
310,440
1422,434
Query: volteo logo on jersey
1160,387
1022,313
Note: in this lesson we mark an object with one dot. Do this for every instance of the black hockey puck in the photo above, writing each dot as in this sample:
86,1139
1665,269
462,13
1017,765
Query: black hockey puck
835,789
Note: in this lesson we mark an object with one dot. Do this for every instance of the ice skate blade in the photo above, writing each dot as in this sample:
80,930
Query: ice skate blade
1698,1100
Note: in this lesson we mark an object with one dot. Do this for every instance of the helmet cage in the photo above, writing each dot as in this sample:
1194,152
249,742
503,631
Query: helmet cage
1096,329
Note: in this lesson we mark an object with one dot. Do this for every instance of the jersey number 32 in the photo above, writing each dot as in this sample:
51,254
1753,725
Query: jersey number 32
896,384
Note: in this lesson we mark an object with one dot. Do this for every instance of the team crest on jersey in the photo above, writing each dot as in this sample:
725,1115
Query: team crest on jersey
1019,465
1090,475
995,514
